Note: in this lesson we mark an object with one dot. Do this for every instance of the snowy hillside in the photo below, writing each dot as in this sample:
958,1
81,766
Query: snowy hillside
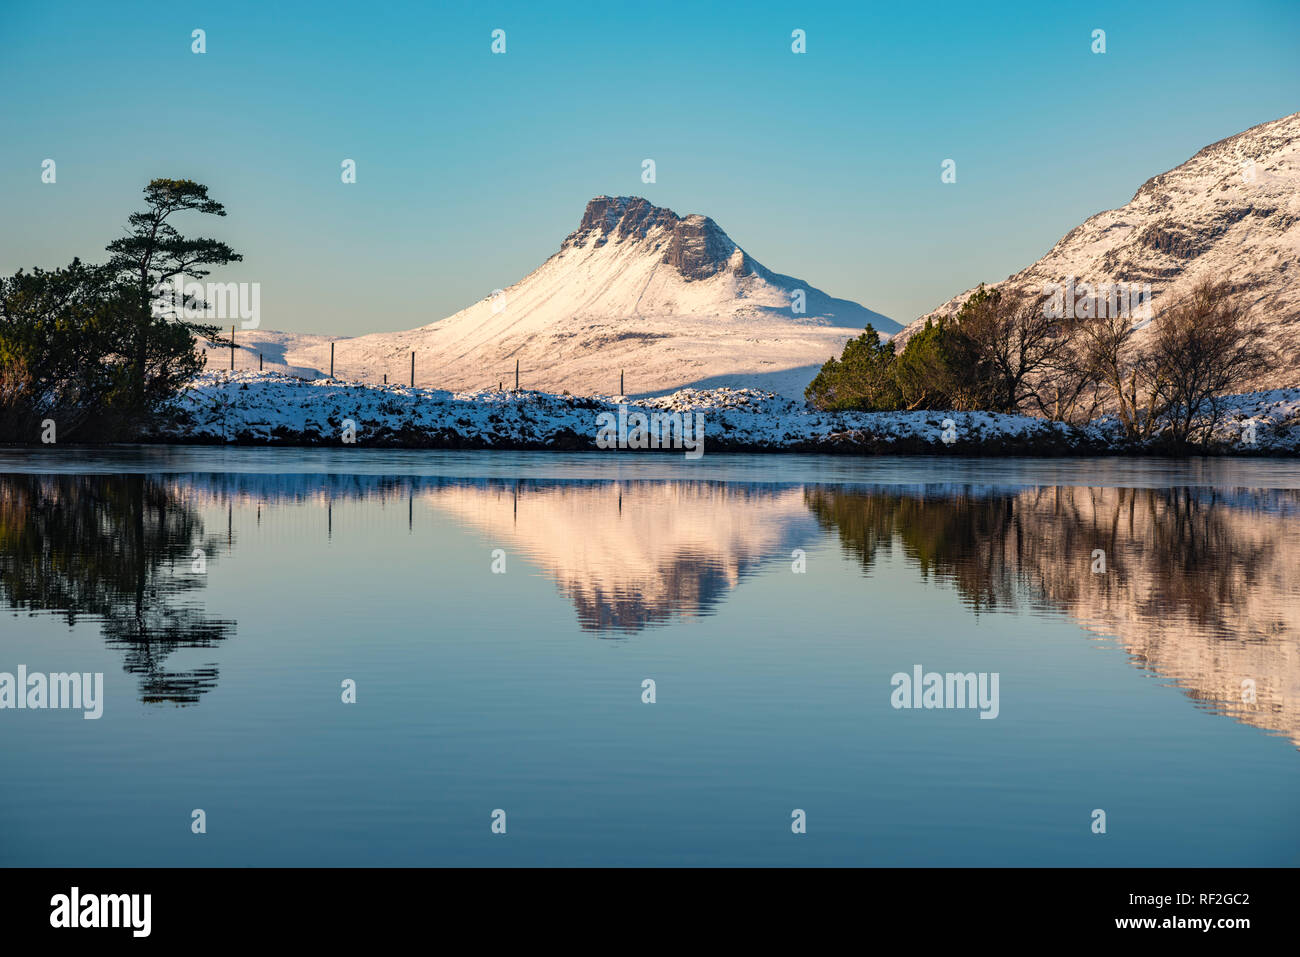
671,300
1233,210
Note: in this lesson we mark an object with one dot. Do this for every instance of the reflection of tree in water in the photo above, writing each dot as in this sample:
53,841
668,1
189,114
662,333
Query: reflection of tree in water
116,548
959,538
1002,548
1198,586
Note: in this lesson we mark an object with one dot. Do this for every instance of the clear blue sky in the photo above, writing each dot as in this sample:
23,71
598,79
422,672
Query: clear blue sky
472,167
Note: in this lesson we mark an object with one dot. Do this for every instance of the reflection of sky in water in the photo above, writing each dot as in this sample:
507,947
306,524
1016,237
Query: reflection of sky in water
772,685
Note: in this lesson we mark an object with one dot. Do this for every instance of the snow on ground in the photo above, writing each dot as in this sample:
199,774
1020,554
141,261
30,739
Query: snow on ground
1275,415
273,407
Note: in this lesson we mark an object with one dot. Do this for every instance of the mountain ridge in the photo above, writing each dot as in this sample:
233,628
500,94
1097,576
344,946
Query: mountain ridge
1231,210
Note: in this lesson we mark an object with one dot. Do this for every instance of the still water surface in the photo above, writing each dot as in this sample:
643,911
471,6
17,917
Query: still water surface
1164,689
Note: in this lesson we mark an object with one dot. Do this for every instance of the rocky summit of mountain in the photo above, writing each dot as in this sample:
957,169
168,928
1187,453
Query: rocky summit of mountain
694,245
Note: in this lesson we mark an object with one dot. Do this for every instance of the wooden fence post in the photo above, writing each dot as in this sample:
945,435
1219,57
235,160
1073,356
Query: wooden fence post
331,360
412,368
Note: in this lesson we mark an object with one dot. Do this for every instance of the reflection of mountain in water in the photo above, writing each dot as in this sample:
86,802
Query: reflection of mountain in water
1199,585
631,554
116,548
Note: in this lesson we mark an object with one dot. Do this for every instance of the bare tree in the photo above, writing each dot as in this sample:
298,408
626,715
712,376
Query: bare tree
1067,388
1205,348
1130,375
1015,342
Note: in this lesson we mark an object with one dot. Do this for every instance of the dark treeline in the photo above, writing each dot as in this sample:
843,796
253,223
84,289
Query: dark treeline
1002,352
91,353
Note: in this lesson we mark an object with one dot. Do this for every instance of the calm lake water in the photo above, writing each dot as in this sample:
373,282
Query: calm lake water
500,612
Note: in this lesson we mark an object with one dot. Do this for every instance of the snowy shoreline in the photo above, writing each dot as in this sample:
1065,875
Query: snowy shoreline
251,408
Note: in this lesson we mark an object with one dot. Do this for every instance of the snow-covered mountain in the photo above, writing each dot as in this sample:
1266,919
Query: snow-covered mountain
1232,210
670,300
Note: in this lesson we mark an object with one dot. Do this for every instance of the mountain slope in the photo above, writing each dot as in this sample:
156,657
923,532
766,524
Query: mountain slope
1232,210
671,300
